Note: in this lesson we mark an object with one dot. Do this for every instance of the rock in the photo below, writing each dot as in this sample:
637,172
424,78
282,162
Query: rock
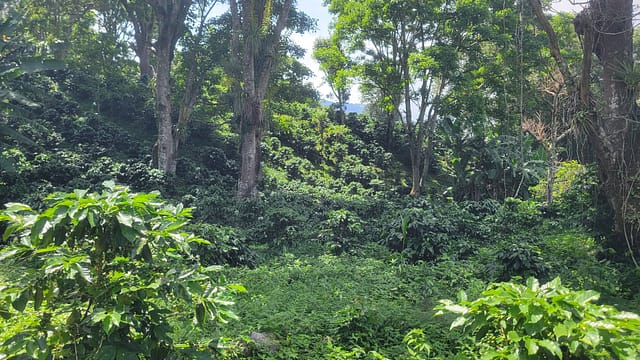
265,341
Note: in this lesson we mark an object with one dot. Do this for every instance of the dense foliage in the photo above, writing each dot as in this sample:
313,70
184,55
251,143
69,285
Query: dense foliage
544,321
475,165
103,275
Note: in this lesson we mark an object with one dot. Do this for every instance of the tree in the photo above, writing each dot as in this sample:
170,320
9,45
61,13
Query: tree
605,112
256,33
57,23
16,60
407,64
171,15
550,133
337,69
195,60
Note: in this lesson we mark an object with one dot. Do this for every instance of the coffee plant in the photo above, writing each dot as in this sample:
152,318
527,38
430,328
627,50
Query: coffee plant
549,321
103,276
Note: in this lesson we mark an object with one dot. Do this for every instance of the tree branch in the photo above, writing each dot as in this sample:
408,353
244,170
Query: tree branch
553,40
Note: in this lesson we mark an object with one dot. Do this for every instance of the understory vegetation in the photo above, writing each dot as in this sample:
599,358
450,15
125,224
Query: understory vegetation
492,244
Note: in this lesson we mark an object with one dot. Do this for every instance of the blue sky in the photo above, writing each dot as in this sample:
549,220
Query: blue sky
315,9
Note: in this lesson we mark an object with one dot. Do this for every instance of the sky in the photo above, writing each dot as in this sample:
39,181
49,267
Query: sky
315,9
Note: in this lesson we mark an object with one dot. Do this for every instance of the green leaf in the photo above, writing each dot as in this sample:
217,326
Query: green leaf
125,219
146,253
587,296
84,272
107,325
128,232
561,330
199,314
38,298
80,193
74,317
591,337
513,336
212,268
109,184
531,345
8,253
552,346
21,301
17,207
457,309
9,231
41,226
237,288
459,321
91,218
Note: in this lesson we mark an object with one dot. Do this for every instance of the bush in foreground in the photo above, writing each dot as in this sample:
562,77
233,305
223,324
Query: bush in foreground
550,321
102,276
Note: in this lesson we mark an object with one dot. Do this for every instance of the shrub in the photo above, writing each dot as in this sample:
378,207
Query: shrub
517,215
102,276
225,246
424,231
513,321
522,259
341,230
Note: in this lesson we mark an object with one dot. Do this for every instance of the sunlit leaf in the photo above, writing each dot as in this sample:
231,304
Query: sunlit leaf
552,346
531,345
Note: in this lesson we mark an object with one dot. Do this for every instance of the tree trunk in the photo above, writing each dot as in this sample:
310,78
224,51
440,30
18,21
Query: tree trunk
165,143
171,15
551,175
612,134
607,30
250,149
141,16
416,172
255,52
143,52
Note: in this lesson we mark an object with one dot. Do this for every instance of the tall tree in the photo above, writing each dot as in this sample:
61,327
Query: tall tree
171,15
255,36
606,110
407,61
193,58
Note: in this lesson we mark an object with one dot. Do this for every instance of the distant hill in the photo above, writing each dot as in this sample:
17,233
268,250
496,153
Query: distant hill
349,108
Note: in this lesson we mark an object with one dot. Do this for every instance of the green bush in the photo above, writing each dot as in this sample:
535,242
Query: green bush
520,258
517,216
550,321
341,231
426,230
226,246
102,276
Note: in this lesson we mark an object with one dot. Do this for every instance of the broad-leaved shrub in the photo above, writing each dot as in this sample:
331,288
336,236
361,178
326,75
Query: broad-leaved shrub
102,276
549,321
